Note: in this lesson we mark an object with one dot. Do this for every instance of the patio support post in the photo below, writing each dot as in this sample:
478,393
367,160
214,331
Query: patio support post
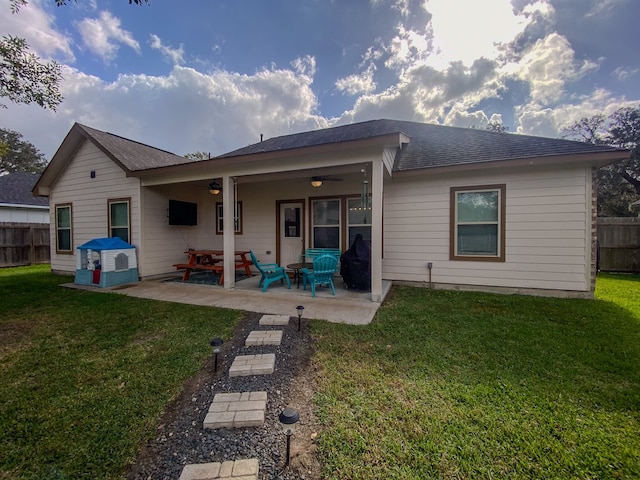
228,211
377,182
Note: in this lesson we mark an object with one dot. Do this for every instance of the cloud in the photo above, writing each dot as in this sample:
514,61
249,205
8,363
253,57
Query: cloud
532,119
547,66
624,73
174,55
188,110
466,30
38,28
358,83
305,66
604,7
103,36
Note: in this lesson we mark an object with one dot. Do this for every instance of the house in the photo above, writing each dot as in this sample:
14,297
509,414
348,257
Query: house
17,203
442,206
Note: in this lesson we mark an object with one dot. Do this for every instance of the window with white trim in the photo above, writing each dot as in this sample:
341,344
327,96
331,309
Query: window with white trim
64,232
478,223
119,219
325,223
358,219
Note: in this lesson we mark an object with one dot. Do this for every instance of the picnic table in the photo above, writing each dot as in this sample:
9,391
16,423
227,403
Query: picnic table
212,260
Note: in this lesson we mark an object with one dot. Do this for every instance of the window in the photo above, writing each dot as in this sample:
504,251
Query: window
358,219
64,237
478,223
237,224
119,219
325,226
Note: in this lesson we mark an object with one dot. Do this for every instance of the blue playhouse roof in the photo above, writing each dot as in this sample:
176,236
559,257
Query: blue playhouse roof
114,243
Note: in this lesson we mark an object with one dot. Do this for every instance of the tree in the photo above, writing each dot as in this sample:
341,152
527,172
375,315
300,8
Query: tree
497,127
18,155
197,156
619,183
24,78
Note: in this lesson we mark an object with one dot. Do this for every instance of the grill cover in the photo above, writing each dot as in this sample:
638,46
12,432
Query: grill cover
355,265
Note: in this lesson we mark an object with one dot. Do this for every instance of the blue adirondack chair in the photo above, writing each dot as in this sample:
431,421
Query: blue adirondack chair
270,273
324,267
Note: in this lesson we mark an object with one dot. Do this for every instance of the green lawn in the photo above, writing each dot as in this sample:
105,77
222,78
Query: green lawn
440,385
476,386
85,376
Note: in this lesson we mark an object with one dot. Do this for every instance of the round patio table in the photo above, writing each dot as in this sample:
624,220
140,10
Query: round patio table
296,267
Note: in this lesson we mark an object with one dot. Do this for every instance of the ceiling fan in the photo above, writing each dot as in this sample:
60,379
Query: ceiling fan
318,180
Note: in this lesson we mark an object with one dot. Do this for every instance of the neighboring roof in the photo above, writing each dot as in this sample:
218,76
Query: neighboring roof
15,188
432,145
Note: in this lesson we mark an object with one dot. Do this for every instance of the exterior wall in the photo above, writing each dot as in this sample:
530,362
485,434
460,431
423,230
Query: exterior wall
88,197
23,214
164,245
548,230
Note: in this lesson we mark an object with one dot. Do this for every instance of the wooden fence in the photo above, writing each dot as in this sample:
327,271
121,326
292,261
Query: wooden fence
24,244
619,242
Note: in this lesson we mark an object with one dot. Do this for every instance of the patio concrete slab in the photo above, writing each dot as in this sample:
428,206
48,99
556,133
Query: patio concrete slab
263,337
274,320
245,365
355,308
236,410
246,469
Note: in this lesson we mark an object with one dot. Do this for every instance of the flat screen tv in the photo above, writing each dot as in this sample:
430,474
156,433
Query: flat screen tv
183,213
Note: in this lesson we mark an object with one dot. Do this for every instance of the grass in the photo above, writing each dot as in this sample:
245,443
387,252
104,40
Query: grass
84,376
475,386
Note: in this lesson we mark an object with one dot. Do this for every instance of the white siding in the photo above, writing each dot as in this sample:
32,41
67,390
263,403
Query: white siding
88,197
548,214
164,245
24,214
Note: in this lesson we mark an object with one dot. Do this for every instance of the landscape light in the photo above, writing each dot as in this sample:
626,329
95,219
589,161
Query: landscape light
288,419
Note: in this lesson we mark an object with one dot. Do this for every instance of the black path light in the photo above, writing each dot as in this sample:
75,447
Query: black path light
216,343
300,309
288,419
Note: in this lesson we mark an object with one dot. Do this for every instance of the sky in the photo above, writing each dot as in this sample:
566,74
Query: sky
213,75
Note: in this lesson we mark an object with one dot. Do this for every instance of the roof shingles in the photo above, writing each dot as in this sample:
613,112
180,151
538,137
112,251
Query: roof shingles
15,188
431,145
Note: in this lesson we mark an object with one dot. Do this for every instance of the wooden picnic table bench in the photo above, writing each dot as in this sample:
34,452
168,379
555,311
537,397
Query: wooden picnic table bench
211,260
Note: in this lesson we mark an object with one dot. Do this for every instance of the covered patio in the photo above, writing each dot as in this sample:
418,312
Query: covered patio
346,306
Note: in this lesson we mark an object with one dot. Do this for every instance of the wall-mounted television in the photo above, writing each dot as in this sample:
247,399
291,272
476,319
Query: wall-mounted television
183,213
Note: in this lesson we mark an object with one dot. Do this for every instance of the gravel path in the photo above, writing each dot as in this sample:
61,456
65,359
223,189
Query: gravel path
181,439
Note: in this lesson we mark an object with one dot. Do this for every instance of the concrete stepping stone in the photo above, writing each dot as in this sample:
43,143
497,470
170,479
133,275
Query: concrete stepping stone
245,365
235,410
247,469
263,337
271,320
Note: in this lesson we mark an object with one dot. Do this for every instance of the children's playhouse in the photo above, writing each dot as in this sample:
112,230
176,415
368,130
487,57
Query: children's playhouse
105,262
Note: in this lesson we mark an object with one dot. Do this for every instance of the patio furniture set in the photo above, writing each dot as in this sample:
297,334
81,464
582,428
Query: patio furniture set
317,267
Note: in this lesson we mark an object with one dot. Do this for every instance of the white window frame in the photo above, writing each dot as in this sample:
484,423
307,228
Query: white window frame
313,225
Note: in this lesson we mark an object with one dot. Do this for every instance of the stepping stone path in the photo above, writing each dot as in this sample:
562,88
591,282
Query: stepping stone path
237,410
274,320
246,409
263,337
245,365
238,470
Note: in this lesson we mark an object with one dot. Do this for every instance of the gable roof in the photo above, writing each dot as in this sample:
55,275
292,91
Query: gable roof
130,155
15,188
431,145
